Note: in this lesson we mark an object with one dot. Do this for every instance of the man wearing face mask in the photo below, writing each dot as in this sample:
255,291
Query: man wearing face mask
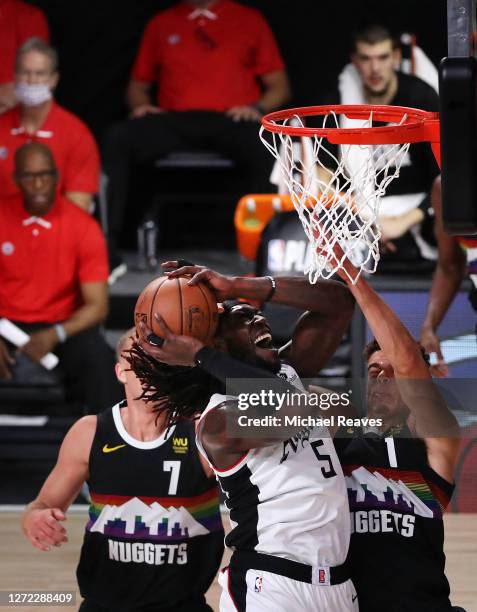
19,21
39,118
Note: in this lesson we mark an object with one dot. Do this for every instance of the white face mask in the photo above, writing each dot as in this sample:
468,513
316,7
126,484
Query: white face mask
32,95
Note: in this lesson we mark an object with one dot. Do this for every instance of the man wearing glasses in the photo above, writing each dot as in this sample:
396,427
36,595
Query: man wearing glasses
53,281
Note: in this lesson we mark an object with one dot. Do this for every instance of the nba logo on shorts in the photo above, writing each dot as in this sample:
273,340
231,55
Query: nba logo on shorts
322,576
258,584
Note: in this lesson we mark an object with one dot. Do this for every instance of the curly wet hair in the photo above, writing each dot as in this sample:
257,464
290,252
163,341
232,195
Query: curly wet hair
179,392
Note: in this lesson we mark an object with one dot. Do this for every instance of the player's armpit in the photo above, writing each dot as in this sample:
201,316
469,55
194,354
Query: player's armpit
212,433
316,337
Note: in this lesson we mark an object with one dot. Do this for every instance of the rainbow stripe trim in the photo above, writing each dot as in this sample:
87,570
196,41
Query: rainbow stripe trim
433,496
203,508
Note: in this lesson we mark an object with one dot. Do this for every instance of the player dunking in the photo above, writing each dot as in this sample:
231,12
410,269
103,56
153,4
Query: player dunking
287,499
154,540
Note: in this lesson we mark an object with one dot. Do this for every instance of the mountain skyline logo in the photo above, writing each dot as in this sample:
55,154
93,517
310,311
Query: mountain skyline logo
387,492
138,519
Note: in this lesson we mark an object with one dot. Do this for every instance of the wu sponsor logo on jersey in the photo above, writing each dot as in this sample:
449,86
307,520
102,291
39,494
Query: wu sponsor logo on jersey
180,445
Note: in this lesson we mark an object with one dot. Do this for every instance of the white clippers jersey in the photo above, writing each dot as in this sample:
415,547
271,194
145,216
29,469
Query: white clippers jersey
289,499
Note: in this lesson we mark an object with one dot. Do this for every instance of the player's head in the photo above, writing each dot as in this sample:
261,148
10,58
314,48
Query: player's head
132,385
36,72
245,334
376,56
383,397
36,176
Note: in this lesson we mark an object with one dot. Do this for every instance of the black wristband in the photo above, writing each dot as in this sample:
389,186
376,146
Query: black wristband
230,371
203,356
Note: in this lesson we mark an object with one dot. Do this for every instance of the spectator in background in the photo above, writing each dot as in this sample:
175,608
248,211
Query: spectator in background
457,257
53,280
217,69
373,78
19,21
39,118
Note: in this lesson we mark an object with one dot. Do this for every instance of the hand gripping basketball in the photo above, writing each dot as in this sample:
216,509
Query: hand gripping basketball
175,350
223,286
189,310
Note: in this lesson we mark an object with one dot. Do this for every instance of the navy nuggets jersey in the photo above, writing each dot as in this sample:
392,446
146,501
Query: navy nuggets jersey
154,539
397,502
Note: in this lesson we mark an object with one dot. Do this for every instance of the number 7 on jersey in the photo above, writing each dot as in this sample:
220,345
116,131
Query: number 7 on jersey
173,467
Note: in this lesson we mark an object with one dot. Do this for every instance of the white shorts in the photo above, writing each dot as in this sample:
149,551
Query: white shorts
266,592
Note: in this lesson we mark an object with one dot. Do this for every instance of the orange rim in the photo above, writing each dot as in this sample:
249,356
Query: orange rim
418,126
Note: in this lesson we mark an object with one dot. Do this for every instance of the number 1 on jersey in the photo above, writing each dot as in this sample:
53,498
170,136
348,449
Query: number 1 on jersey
173,467
391,452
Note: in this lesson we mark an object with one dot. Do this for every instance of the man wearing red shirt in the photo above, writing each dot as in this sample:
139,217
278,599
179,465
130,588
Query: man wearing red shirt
53,280
39,118
217,69
19,21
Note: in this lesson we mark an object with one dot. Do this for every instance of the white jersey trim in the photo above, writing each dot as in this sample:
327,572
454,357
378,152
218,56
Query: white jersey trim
150,444
214,402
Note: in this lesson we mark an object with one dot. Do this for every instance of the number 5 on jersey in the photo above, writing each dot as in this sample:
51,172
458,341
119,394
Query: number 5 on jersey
330,471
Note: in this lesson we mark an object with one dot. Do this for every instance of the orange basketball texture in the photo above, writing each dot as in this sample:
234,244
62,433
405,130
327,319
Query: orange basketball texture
188,310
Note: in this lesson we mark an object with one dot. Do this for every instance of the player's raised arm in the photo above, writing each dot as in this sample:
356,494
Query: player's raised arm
448,276
431,419
43,517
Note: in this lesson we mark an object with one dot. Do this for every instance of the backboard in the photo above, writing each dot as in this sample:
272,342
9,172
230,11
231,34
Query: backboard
458,114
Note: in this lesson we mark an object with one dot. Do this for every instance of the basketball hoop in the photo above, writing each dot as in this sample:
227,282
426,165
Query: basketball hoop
337,190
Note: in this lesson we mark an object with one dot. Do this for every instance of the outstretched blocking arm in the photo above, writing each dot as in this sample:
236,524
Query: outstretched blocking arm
448,276
317,333
41,520
434,423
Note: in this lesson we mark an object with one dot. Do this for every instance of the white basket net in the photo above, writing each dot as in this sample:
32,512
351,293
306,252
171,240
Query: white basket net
336,190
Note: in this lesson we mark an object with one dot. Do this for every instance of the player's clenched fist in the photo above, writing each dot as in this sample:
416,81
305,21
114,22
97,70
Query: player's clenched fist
44,529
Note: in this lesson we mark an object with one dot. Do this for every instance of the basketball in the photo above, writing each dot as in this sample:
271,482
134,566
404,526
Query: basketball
189,310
